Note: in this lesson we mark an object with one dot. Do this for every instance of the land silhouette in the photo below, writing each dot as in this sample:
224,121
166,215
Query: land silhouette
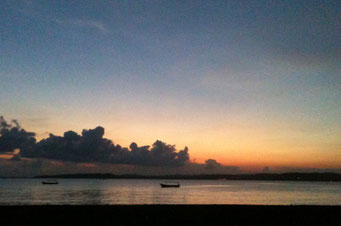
261,176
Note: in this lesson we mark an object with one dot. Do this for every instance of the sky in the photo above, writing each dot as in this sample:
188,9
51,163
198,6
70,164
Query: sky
246,83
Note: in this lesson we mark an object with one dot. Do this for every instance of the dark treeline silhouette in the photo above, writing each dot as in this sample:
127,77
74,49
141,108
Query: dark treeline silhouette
90,146
261,176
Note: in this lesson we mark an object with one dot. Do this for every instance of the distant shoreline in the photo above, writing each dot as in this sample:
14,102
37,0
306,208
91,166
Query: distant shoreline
294,176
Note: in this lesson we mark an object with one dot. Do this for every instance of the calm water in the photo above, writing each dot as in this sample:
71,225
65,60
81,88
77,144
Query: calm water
96,191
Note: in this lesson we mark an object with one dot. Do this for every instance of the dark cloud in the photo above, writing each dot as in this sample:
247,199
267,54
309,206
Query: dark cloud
92,147
266,169
215,167
212,164
88,147
12,136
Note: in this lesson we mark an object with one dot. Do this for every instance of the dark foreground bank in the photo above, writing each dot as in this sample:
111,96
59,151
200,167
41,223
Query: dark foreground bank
171,215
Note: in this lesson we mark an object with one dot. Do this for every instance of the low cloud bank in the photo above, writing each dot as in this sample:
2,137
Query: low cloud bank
90,146
212,166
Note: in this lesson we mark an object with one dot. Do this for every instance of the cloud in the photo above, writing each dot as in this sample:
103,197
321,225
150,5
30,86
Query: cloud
212,164
12,136
91,24
215,167
90,146
266,169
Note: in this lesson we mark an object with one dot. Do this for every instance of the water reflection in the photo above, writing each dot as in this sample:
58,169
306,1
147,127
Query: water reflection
100,192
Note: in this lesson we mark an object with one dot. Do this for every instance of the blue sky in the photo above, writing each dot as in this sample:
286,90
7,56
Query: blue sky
206,74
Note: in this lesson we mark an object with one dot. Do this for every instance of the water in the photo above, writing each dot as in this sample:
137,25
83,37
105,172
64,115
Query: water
119,191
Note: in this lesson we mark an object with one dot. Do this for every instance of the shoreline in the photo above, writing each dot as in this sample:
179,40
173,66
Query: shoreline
292,176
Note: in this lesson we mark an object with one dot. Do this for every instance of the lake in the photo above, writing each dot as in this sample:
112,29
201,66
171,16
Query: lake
138,191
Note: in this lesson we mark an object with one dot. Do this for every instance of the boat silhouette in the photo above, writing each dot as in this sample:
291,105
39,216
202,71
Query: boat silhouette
170,185
50,182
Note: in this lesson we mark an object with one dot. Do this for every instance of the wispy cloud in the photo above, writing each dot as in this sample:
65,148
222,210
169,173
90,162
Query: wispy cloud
97,25
91,24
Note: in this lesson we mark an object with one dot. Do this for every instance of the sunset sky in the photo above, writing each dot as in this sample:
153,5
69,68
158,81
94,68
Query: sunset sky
247,83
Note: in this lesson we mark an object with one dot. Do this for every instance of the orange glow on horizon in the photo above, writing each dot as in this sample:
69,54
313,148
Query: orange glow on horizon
234,142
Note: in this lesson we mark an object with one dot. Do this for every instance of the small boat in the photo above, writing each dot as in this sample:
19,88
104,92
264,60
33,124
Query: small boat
50,182
170,185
